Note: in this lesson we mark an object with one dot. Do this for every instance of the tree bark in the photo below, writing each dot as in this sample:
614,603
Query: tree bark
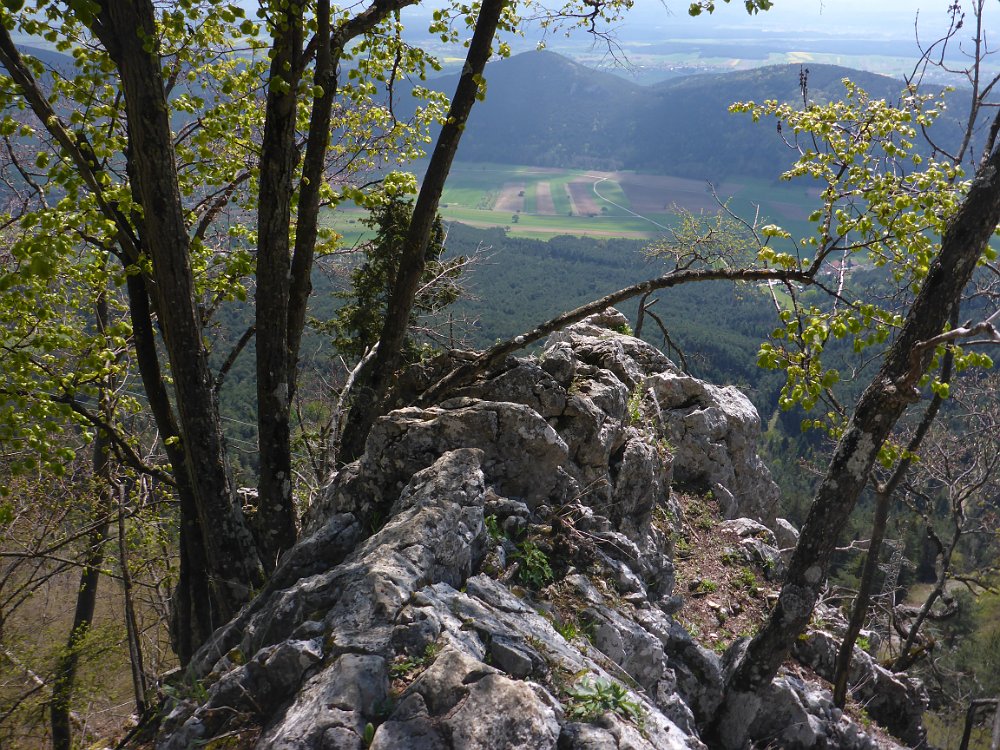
192,599
374,381
995,734
127,30
970,718
907,655
285,283
139,686
274,521
313,168
877,410
191,621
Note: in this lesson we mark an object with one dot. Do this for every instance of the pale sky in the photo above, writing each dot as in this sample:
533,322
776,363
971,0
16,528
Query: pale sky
861,18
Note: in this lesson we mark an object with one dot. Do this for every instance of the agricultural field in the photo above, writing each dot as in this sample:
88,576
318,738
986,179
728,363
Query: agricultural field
540,202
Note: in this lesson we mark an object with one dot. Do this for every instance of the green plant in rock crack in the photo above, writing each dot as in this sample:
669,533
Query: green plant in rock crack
189,689
731,557
369,735
534,570
590,699
748,580
588,628
567,628
665,448
404,666
682,547
634,406
493,528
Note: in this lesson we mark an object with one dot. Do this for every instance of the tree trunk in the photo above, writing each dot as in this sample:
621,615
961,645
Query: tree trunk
274,521
192,600
90,576
495,355
191,603
970,718
374,381
879,407
139,686
995,735
907,656
86,603
883,498
313,167
232,567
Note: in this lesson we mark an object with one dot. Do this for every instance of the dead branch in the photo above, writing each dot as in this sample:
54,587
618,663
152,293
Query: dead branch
488,359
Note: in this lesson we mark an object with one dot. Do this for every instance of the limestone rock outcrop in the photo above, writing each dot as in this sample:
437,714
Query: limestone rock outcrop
497,572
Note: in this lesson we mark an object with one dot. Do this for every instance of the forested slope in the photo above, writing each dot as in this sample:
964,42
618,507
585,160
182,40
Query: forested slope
543,109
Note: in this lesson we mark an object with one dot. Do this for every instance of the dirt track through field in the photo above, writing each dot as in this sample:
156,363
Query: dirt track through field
511,198
657,194
543,200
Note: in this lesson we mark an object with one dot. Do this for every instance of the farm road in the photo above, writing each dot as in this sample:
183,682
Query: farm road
626,210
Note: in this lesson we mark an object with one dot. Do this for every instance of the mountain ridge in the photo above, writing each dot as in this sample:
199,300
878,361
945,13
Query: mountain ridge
543,109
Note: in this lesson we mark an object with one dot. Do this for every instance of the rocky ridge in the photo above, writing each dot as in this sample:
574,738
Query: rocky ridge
497,571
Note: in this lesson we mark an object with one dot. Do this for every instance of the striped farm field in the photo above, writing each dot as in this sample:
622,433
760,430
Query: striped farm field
542,202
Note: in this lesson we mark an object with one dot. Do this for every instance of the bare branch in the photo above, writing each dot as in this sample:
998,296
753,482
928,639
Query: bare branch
495,354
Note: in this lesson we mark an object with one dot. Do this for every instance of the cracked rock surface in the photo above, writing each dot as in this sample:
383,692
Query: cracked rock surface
496,571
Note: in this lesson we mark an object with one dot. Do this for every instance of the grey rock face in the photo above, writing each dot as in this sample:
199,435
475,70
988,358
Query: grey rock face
461,702
787,537
402,619
715,432
757,545
332,708
894,701
800,717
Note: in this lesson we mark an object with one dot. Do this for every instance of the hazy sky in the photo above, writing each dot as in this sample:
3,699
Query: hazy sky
862,18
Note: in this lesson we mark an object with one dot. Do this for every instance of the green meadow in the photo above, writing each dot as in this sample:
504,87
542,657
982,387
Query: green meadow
542,202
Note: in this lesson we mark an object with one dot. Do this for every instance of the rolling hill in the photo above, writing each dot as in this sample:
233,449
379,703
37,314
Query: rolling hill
543,109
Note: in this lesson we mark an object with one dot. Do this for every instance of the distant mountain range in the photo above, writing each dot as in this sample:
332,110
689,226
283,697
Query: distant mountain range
543,109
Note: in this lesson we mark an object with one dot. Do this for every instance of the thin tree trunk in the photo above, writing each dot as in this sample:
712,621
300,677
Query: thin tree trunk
879,407
310,186
192,599
883,498
191,620
466,373
906,656
970,718
83,617
373,383
90,576
284,287
131,621
274,521
233,569
995,736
